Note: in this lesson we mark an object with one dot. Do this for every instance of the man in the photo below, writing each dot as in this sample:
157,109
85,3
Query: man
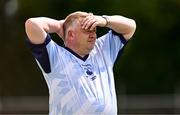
80,75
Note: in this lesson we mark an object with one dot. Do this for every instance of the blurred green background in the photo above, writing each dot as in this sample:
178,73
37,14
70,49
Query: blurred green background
150,63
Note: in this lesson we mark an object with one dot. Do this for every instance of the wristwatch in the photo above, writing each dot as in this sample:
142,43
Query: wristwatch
107,20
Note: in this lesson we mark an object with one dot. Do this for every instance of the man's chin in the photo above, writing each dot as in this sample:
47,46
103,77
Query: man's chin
90,48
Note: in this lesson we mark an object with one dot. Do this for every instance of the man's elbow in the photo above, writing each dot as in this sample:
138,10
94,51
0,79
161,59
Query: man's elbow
29,23
132,29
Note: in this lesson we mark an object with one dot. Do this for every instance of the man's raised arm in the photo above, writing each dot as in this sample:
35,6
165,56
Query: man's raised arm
37,28
119,24
122,25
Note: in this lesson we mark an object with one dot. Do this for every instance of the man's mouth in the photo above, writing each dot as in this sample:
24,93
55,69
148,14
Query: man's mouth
91,39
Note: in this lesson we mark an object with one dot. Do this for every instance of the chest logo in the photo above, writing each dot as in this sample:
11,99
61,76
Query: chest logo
89,69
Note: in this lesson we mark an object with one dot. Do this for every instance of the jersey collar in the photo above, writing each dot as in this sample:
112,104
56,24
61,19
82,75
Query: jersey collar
75,54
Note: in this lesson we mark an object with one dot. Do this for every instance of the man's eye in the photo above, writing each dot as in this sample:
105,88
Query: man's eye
94,30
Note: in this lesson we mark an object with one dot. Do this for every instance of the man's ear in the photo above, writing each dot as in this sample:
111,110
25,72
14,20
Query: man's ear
71,34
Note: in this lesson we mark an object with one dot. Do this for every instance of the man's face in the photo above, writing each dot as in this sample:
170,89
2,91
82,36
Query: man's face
85,39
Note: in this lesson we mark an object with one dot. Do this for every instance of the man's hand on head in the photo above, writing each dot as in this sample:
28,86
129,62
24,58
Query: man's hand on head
91,21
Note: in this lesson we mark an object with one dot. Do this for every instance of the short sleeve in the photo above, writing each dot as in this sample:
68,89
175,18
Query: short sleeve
45,53
112,44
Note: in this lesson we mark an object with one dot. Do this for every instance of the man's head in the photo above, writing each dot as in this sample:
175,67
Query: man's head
79,40
72,19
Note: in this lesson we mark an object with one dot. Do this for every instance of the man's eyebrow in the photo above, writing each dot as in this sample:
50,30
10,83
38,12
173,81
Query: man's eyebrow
94,30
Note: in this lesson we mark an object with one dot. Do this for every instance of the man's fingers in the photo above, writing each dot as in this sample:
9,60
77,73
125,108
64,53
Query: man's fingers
86,18
87,22
93,26
90,23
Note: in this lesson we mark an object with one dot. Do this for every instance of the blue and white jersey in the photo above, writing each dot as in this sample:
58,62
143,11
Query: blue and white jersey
80,86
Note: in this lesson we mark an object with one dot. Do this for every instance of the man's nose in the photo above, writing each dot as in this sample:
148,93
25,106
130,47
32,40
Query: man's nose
92,34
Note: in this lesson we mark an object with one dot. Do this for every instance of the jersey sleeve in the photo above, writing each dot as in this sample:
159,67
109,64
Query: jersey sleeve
112,44
45,54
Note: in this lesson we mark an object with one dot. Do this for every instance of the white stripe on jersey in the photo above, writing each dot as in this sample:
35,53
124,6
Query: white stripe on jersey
67,97
85,107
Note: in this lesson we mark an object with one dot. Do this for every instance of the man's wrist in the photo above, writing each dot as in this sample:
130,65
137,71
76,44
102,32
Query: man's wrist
107,20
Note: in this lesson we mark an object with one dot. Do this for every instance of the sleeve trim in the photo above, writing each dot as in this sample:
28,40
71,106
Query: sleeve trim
39,51
123,40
